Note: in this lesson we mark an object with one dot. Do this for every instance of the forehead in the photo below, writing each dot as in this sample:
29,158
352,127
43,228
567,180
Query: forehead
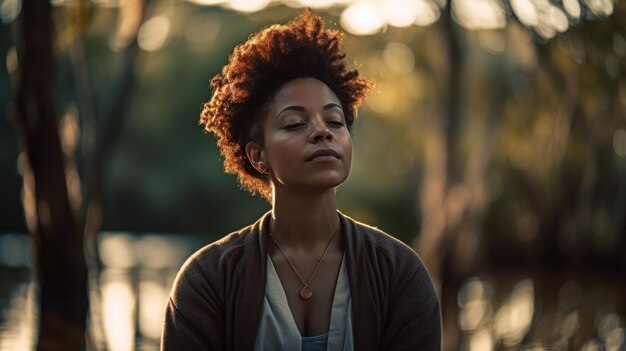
303,92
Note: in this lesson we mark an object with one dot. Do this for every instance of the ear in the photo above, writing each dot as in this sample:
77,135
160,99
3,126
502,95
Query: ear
256,156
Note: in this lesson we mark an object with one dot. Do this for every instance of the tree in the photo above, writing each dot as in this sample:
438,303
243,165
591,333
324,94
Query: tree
54,225
454,194
58,220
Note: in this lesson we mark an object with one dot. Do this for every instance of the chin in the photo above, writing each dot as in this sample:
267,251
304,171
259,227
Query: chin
319,182
330,181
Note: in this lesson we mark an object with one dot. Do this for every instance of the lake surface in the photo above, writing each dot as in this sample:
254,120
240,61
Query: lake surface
127,299
510,309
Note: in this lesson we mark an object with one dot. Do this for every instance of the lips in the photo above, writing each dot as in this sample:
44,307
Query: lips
323,154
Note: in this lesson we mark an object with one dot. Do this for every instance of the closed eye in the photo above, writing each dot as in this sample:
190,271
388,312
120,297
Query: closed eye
336,124
293,126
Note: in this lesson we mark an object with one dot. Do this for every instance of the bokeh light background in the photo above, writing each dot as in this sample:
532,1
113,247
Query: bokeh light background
494,144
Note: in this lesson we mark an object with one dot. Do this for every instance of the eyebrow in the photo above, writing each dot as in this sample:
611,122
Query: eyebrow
302,109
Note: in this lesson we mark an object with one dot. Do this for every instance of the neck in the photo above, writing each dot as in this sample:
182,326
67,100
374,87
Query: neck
304,220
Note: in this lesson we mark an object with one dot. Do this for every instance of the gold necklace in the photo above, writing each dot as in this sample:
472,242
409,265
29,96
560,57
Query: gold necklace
305,292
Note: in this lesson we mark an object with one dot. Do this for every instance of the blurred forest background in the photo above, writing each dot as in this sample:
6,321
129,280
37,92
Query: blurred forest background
494,144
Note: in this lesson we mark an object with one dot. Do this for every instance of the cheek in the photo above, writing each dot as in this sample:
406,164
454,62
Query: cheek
281,154
348,151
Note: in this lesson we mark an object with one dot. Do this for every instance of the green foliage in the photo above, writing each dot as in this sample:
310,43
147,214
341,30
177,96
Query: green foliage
165,174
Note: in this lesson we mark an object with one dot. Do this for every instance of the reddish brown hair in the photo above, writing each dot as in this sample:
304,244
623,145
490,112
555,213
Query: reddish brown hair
257,69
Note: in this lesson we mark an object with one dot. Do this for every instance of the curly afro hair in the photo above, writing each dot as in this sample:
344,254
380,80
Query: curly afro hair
257,69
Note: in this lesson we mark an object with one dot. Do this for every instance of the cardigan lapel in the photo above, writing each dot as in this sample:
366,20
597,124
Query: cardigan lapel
364,321
248,310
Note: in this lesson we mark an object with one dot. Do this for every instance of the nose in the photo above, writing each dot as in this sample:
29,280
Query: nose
320,131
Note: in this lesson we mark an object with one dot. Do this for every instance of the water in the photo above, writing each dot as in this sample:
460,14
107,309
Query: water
508,309
553,310
128,298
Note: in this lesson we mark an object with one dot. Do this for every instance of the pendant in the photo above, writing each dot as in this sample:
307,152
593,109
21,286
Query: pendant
306,293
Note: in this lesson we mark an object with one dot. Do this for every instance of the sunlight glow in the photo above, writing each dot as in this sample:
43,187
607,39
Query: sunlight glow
318,4
9,10
116,251
208,2
359,17
557,18
474,289
11,60
513,319
475,306
481,341
69,129
398,58
248,6
492,41
118,302
546,18
107,3
526,11
607,323
19,327
591,345
362,18
415,85
28,191
123,251
74,192
479,14
615,340
545,30
154,33
426,13
152,301
600,7
572,7
619,143
383,100
156,252
400,13
474,313
609,329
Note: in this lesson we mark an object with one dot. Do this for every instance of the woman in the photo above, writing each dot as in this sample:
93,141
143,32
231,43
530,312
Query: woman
304,276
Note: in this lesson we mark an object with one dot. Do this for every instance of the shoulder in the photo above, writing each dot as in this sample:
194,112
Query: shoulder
215,253
209,269
376,239
399,262
402,283
212,258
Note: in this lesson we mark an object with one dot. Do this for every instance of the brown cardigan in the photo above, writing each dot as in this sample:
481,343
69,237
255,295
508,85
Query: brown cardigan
217,297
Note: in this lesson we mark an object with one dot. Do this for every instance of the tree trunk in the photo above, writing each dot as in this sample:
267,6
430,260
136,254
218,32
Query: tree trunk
441,174
453,192
55,229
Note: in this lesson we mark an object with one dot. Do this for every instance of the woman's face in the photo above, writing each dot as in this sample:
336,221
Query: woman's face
307,145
